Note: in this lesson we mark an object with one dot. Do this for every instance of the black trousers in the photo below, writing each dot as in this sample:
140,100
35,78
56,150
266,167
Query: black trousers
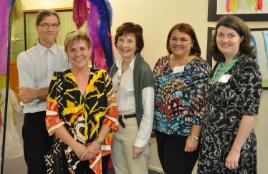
172,156
83,167
36,142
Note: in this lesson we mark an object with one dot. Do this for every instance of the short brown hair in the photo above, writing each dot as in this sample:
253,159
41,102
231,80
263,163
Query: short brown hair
188,29
74,36
44,13
131,28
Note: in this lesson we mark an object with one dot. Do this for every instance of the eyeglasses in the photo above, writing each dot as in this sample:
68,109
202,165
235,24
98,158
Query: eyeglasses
46,25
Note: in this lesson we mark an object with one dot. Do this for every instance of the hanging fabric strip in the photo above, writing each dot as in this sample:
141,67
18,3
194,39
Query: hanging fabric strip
80,12
109,12
4,18
265,45
5,52
98,55
104,29
255,45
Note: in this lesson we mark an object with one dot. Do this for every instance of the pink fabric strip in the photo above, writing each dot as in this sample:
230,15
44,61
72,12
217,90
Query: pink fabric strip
80,12
4,18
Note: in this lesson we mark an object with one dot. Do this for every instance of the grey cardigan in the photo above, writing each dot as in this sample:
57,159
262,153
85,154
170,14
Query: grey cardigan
143,77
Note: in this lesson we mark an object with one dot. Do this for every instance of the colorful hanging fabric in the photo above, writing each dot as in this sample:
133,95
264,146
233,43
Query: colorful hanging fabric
80,12
104,13
4,27
109,11
98,55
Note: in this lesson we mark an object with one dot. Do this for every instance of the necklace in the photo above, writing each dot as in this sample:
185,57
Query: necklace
223,69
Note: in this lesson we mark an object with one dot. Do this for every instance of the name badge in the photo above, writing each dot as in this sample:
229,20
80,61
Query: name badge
224,78
178,69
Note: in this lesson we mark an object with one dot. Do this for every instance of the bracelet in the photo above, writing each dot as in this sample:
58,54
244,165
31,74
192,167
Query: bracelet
194,138
99,140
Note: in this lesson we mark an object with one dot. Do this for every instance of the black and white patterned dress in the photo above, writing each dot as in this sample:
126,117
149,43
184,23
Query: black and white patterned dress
226,104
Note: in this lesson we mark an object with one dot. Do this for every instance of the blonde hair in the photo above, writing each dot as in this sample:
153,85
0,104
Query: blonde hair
74,36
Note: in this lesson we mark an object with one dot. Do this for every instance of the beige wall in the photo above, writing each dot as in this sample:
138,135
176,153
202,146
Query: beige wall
157,17
46,4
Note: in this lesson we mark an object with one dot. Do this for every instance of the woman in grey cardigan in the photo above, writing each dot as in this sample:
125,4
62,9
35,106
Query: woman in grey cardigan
133,83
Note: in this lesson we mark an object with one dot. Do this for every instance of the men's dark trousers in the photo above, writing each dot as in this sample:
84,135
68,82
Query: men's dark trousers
36,142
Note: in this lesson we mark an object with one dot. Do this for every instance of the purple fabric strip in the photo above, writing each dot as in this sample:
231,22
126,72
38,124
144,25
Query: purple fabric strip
4,18
98,55
104,34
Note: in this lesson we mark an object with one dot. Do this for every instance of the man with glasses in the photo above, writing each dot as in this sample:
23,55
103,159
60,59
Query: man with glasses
36,66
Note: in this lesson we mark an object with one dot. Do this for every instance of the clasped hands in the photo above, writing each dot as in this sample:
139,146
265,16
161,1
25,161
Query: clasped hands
87,152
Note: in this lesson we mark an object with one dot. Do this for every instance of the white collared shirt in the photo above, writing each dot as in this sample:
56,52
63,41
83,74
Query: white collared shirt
36,66
124,89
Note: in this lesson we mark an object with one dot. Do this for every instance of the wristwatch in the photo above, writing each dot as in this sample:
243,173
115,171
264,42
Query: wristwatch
194,138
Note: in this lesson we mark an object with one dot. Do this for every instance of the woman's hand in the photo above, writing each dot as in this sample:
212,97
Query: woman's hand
137,151
232,159
91,150
191,144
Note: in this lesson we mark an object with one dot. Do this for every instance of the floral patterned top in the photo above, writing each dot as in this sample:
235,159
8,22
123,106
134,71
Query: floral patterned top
179,96
82,115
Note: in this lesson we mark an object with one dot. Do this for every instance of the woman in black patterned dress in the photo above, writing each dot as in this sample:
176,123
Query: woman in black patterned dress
228,143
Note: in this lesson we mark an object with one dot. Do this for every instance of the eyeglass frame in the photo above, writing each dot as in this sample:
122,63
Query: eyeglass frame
47,25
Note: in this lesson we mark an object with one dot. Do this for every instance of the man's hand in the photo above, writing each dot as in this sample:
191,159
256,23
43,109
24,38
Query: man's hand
27,95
